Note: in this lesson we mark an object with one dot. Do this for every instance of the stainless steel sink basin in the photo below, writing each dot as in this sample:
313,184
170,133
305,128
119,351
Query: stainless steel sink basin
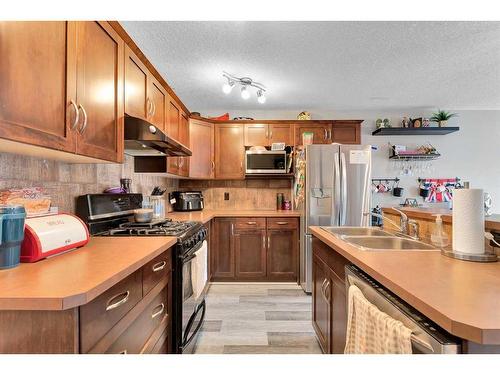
356,231
375,243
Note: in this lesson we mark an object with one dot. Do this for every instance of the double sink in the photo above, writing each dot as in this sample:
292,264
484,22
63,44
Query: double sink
374,239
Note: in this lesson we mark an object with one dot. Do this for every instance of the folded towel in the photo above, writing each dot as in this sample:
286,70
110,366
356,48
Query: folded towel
371,331
199,270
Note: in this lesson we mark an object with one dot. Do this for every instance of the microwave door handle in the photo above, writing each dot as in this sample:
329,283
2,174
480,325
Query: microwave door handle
336,187
343,181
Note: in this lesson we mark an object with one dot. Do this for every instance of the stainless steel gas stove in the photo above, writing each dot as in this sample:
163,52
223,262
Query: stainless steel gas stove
112,215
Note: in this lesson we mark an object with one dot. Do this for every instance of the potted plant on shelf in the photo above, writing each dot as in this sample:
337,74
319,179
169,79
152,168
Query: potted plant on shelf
442,117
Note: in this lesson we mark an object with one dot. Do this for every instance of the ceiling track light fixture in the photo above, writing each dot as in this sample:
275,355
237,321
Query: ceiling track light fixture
245,83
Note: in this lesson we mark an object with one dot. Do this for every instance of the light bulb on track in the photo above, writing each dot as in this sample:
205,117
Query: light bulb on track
261,97
227,87
245,94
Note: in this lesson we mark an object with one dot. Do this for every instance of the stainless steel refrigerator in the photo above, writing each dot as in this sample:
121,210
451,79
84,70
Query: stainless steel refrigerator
337,193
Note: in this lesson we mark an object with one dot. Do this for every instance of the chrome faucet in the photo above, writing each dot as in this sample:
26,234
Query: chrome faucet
404,224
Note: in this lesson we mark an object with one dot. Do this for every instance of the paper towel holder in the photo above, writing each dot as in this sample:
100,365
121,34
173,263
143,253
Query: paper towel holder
483,258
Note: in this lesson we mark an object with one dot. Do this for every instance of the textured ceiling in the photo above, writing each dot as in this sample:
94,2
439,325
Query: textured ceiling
328,65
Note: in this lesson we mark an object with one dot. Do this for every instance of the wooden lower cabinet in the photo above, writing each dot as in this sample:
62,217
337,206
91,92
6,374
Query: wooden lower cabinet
321,308
250,254
125,319
329,312
253,249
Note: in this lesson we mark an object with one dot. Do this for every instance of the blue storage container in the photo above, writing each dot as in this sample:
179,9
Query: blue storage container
11,235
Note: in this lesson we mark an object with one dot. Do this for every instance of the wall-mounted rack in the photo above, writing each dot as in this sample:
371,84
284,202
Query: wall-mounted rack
386,179
420,179
409,156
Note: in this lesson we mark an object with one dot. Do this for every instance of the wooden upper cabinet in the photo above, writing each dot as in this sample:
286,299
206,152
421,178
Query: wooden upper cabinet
173,123
201,141
321,133
100,73
38,83
184,139
157,102
229,151
280,133
256,135
347,132
136,85
266,134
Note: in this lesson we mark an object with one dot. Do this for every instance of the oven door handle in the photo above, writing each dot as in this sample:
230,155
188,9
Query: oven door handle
191,253
191,321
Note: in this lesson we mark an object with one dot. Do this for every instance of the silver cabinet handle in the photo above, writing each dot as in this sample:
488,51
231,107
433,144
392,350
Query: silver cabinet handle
271,134
159,312
326,134
323,288
269,242
264,242
330,134
148,107
159,266
251,222
241,165
327,286
282,222
77,115
153,108
85,119
181,162
124,299
213,165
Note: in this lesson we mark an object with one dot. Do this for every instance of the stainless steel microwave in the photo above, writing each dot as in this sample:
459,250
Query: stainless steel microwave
265,162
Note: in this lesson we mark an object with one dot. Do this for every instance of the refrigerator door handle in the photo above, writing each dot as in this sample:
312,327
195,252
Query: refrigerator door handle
336,186
343,197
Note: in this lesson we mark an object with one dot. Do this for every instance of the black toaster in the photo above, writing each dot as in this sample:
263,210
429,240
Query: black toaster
186,200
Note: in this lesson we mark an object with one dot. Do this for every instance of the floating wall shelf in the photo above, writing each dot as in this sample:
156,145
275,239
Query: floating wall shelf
416,131
415,157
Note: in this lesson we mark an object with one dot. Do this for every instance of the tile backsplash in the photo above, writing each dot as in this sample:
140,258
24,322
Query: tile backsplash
63,182
248,194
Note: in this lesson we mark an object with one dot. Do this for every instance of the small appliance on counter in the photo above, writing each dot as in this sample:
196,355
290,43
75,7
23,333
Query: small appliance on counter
186,200
52,234
11,234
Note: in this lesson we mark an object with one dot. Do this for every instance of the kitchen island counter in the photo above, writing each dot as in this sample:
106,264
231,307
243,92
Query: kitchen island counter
77,277
462,297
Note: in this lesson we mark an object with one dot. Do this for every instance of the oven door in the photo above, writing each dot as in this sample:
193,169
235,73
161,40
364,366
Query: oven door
265,162
194,267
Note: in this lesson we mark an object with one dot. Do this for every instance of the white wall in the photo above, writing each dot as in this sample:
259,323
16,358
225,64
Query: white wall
473,153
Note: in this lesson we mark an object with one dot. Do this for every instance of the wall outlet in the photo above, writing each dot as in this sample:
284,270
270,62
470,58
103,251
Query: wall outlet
226,196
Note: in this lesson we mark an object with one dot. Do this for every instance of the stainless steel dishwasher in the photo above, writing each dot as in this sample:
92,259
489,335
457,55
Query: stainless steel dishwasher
427,337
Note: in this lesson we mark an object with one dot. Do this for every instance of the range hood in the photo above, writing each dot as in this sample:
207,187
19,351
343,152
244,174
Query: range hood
143,139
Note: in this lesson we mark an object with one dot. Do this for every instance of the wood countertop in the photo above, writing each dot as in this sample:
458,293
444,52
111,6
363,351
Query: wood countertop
490,222
207,215
462,297
75,278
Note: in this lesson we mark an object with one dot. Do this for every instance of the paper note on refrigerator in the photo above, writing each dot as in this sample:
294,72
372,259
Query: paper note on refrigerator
359,157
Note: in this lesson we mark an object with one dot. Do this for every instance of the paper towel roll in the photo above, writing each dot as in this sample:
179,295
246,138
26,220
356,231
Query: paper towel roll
468,221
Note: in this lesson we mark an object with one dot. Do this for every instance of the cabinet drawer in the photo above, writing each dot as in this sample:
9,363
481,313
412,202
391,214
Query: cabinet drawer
250,223
282,223
155,270
100,315
162,345
135,337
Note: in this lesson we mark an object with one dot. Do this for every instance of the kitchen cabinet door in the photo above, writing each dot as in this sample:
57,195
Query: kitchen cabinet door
280,133
223,250
346,132
339,314
282,254
201,141
229,151
250,254
321,133
256,135
136,86
321,306
157,101
173,123
38,103
100,52
184,139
